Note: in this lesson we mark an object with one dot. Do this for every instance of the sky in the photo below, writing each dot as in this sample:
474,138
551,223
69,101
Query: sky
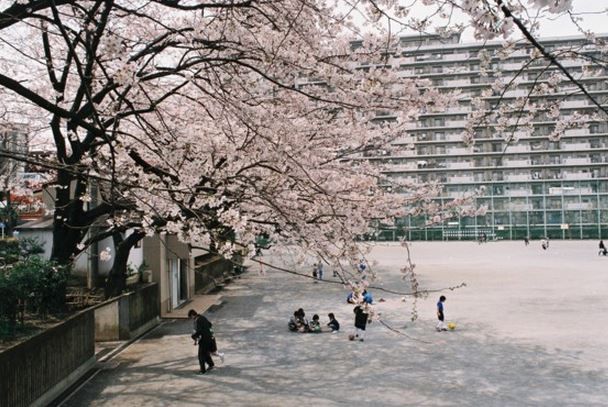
593,12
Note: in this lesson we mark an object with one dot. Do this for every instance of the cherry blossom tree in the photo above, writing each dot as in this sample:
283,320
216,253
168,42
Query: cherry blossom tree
222,120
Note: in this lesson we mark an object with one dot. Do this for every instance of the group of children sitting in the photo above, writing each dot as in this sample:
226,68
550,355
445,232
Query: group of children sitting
299,323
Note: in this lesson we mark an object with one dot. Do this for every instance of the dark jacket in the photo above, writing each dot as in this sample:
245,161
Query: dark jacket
360,318
203,333
334,325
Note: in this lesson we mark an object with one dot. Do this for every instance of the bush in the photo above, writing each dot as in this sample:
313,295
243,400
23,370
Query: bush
8,306
9,250
32,285
30,246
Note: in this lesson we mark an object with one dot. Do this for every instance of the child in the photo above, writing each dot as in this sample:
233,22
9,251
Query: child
360,322
367,297
302,321
362,266
440,325
294,322
333,324
315,325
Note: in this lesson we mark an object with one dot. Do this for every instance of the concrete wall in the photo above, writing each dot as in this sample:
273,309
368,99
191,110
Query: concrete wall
128,315
107,321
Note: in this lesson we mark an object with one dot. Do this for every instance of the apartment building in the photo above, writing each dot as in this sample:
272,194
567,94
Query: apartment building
533,187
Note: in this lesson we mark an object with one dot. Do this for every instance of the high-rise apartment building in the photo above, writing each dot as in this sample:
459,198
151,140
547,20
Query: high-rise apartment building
536,186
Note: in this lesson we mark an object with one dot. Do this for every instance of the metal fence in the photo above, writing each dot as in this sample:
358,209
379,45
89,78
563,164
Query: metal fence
30,369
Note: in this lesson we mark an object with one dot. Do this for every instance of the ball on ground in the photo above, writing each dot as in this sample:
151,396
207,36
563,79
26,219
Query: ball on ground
451,326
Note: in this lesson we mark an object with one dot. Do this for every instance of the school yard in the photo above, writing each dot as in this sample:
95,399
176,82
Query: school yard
531,330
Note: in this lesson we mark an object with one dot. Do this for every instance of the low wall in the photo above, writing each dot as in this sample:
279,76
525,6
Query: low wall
128,315
210,272
36,371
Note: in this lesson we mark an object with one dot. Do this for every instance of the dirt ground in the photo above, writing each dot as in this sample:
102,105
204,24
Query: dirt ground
531,332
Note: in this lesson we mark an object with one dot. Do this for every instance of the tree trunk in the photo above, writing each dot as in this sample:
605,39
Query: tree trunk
116,281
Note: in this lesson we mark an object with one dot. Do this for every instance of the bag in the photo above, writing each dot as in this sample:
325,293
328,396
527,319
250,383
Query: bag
213,347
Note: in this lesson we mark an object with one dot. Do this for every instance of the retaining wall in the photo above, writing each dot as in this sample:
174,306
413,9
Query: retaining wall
127,316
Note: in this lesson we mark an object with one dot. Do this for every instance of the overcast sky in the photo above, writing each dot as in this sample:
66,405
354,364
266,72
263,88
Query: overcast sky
593,12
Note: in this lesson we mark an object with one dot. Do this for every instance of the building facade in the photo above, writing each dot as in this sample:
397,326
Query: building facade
536,186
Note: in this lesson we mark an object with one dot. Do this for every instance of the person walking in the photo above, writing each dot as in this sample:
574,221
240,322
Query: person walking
440,315
203,336
603,250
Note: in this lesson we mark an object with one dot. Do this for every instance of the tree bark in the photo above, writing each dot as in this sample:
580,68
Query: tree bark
116,281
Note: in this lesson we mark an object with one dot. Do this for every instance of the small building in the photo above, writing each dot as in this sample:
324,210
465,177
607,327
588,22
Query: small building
170,261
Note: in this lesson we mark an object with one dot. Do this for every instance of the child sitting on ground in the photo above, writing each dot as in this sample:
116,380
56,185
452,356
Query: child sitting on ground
315,325
333,324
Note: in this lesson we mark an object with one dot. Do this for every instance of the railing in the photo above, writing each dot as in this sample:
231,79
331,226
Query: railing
33,369
211,273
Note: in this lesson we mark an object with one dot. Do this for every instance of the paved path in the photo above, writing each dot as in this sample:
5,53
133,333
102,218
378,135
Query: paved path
476,365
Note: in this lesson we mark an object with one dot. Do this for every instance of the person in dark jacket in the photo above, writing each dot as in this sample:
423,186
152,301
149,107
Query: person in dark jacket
333,323
203,336
360,322
603,250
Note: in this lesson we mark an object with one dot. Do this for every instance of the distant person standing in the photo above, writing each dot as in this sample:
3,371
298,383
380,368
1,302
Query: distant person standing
603,250
544,243
440,315
320,270
360,322
362,267
203,336
526,240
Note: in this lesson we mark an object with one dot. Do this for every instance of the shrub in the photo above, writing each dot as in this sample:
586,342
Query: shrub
30,246
8,306
32,285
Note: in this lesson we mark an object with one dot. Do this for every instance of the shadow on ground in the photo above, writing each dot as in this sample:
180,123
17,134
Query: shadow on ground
268,366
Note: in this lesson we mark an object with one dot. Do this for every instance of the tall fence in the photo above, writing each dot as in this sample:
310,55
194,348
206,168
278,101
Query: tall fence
31,370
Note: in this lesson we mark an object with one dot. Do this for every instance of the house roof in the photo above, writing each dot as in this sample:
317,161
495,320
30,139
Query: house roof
46,223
